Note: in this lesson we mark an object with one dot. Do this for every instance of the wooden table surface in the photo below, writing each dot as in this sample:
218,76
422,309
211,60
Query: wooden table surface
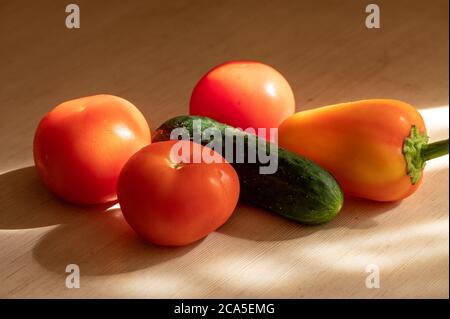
152,53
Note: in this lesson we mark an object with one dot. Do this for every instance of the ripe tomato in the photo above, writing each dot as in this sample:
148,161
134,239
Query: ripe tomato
81,146
171,203
244,94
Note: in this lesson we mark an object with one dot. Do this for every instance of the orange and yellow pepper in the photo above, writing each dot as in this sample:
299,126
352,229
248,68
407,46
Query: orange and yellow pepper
376,149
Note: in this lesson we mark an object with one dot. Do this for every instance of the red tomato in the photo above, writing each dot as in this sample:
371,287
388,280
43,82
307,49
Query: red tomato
171,203
81,146
244,94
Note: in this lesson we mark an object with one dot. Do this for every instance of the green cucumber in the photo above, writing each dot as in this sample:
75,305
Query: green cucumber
299,189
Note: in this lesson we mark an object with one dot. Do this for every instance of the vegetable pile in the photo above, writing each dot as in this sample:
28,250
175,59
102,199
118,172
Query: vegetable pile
184,182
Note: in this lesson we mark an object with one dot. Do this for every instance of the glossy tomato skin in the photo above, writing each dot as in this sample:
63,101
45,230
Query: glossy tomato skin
81,146
174,205
244,94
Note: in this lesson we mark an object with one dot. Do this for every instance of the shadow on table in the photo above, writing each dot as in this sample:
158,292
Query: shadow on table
93,237
100,241
104,245
252,223
26,203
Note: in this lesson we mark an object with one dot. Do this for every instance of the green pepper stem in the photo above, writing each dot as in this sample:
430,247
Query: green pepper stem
417,151
434,150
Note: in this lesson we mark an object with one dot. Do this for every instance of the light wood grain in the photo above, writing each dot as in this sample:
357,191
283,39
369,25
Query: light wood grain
152,53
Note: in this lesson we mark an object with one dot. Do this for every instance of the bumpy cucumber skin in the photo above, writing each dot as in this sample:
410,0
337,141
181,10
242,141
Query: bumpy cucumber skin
299,190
